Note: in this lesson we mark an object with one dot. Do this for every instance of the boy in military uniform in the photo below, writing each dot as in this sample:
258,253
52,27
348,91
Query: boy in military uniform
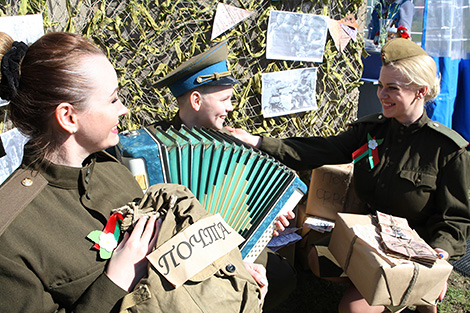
203,87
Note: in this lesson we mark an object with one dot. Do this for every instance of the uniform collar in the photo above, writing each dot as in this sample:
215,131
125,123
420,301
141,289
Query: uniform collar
176,122
62,176
423,120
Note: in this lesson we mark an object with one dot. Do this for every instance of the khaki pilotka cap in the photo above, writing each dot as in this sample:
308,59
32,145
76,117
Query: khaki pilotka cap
400,48
207,68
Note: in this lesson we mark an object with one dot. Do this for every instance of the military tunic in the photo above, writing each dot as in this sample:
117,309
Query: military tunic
176,122
422,173
46,262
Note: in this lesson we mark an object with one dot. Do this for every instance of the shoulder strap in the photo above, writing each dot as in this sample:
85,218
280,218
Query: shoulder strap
371,118
17,192
450,133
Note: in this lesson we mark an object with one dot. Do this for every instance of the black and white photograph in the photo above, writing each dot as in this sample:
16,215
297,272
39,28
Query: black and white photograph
289,92
296,36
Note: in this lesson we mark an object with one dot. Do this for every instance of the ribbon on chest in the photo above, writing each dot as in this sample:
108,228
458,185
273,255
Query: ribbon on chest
368,150
107,240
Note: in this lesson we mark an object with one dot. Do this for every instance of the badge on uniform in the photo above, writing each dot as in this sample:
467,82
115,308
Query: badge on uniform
370,150
106,240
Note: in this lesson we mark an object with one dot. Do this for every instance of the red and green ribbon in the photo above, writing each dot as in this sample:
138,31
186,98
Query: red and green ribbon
368,150
106,240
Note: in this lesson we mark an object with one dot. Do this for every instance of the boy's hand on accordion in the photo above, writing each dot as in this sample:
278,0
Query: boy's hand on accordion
258,272
283,222
245,136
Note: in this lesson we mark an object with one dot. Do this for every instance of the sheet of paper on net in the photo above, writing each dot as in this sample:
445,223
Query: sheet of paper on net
192,250
343,31
288,92
226,17
350,26
339,35
26,28
296,36
13,142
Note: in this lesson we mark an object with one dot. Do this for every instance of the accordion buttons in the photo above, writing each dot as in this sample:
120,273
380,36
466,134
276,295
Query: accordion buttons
230,268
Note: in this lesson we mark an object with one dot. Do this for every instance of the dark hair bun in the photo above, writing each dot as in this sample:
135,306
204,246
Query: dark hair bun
10,68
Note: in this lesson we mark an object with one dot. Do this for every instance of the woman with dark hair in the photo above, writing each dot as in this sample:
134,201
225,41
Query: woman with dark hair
63,95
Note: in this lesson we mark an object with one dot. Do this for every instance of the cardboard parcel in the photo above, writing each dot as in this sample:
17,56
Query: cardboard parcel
380,282
331,190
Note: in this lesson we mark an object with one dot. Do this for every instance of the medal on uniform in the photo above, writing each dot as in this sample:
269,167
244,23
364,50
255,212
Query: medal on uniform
107,239
368,150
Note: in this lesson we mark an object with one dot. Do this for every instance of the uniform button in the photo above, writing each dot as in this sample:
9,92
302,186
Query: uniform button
87,179
435,124
230,268
88,171
380,117
88,195
27,182
382,186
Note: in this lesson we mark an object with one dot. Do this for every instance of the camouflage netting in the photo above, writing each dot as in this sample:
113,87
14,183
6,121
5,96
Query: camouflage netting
147,39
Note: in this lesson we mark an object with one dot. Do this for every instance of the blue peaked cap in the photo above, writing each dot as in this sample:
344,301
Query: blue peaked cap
206,76
207,68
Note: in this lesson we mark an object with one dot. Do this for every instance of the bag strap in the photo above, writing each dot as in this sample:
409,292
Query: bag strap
17,192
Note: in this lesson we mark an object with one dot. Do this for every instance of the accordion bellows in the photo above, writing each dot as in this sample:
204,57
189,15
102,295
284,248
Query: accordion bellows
247,187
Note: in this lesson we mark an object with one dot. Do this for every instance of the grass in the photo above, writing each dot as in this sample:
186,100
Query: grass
320,296
457,299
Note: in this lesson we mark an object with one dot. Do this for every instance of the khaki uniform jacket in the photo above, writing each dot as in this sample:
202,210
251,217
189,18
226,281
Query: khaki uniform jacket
46,262
423,173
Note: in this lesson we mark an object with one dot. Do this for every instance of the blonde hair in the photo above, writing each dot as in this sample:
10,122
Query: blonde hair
420,71
6,43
